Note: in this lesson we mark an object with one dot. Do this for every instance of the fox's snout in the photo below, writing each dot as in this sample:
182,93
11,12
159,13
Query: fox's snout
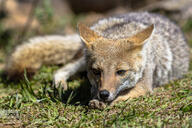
104,94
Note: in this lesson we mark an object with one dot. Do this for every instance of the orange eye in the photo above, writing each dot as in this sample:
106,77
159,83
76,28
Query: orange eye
121,72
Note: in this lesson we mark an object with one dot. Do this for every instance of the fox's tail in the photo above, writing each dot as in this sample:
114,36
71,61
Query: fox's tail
48,50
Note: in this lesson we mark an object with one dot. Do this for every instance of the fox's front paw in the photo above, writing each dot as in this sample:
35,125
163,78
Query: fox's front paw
96,104
60,83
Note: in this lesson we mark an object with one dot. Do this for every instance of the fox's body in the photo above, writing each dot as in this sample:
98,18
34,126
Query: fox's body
134,52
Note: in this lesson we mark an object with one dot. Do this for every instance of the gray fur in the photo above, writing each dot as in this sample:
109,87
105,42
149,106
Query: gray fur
168,53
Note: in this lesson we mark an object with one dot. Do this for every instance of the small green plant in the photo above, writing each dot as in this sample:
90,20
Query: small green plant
188,26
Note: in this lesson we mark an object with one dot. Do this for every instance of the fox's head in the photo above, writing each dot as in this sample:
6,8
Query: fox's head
114,65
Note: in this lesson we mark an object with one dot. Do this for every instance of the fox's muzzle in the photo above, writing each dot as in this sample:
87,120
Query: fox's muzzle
104,94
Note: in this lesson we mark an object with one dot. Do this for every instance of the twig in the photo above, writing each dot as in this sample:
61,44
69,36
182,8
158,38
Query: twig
28,22
2,4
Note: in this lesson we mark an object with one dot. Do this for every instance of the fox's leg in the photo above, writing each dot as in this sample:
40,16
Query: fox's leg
139,90
62,75
145,85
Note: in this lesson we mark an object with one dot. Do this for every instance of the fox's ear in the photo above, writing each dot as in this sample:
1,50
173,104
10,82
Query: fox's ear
86,34
140,38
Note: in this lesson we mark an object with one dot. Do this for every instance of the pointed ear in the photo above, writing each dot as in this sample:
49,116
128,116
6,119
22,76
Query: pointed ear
140,38
86,34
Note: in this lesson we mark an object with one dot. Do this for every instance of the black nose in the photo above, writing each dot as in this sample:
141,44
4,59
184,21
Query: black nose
104,94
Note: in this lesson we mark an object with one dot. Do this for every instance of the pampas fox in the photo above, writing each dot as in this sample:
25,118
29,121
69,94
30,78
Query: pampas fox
125,56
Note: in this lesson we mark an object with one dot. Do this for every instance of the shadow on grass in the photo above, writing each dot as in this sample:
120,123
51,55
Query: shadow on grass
7,82
75,95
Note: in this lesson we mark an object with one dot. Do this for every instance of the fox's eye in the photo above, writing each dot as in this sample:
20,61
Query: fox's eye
96,71
121,72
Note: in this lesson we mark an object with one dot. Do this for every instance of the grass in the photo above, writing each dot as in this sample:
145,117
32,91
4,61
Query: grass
34,103
169,106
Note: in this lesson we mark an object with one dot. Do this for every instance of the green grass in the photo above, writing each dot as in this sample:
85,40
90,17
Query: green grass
188,26
39,106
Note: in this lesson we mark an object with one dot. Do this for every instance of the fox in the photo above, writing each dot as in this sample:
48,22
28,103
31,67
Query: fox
125,56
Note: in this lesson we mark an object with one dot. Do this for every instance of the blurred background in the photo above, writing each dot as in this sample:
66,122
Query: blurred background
21,19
